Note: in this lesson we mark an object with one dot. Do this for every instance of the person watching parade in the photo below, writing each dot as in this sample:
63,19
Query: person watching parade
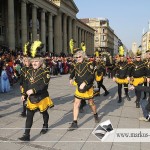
35,88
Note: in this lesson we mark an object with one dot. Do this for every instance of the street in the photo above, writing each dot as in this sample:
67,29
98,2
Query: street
123,115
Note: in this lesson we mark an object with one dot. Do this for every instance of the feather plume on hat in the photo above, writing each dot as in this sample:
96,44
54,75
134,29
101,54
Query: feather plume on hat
96,54
26,49
138,53
71,44
83,46
36,48
121,51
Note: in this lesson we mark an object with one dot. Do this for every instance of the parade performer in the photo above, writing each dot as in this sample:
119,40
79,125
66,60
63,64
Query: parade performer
82,75
100,71
24,69
147,64
121,74
145,108
137,75
35,88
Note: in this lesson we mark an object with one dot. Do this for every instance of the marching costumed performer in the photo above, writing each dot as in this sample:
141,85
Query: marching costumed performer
121,74
24,69
137,75
82,75
147,64
100,71
35,88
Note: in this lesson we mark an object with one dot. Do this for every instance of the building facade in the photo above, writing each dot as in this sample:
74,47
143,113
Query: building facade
134,48
53,22
146,42
116,41
104,35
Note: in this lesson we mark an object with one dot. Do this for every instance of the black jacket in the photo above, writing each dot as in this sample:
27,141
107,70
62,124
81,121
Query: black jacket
38,81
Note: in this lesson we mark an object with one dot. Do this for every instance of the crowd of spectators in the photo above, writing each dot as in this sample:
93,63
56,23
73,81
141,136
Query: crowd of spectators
11,63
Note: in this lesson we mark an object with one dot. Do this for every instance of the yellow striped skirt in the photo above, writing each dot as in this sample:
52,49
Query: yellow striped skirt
122,81
42,105
86,95
98,78
137,81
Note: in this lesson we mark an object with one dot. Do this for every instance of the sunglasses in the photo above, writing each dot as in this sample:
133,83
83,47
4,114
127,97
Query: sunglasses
78,57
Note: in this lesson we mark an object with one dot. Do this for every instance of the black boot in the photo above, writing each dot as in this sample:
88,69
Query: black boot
137,105
73,126
24,138
44,129
23,114
106,93
120,100
96,118
128,97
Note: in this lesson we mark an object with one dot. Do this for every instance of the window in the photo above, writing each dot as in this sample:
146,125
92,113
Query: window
3,30
0,30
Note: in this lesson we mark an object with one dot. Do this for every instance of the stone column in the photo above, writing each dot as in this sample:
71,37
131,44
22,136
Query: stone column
87,40
50,32
43,30
65,34
11,25
70,28
82,35
58,33
93,43
74,32
34,22
23,22
77,37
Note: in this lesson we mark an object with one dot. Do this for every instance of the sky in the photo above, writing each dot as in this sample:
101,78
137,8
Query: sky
128,18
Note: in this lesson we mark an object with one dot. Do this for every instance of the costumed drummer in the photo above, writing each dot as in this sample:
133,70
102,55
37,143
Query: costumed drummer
35,88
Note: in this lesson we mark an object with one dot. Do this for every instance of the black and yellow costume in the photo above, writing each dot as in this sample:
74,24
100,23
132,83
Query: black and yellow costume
22,82
83,72
100,70
137,74
37,80
121,72
147,64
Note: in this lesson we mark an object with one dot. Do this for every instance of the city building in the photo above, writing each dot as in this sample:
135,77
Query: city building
134,48
146,42
54,22
105,40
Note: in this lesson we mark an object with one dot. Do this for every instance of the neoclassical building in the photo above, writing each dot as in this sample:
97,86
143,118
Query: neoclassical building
54,22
